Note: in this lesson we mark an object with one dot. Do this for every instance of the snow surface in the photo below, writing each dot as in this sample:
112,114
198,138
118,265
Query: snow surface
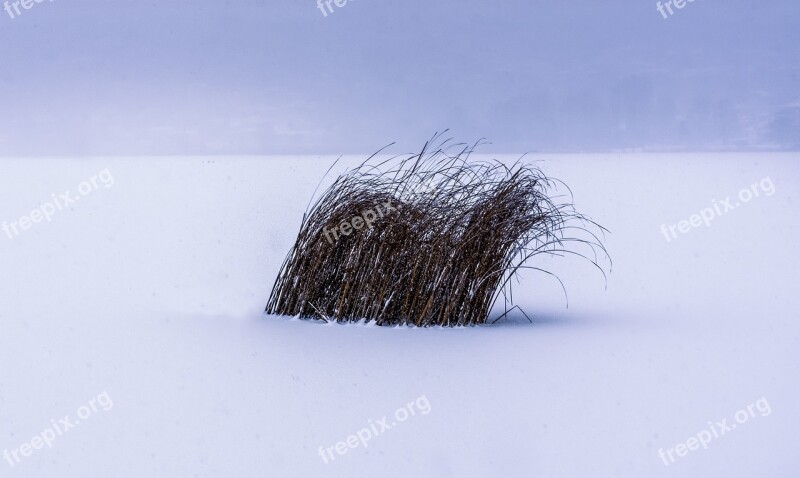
152,290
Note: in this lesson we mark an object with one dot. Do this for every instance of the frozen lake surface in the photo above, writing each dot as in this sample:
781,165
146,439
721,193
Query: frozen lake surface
134,310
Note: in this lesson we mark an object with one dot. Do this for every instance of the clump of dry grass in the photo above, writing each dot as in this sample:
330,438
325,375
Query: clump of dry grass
460,231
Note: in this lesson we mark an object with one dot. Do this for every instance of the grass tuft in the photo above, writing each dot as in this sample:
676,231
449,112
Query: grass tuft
440,238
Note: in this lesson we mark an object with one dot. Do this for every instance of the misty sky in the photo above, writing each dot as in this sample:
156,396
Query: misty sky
252,77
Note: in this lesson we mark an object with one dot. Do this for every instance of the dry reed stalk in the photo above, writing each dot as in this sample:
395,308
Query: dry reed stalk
459,232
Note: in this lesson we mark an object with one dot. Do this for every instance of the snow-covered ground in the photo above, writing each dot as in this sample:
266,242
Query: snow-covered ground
142,303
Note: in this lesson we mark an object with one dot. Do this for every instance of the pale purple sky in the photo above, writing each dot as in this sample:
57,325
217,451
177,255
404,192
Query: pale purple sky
101,77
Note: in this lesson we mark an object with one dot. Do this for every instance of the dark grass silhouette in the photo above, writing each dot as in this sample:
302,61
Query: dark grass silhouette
437,240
